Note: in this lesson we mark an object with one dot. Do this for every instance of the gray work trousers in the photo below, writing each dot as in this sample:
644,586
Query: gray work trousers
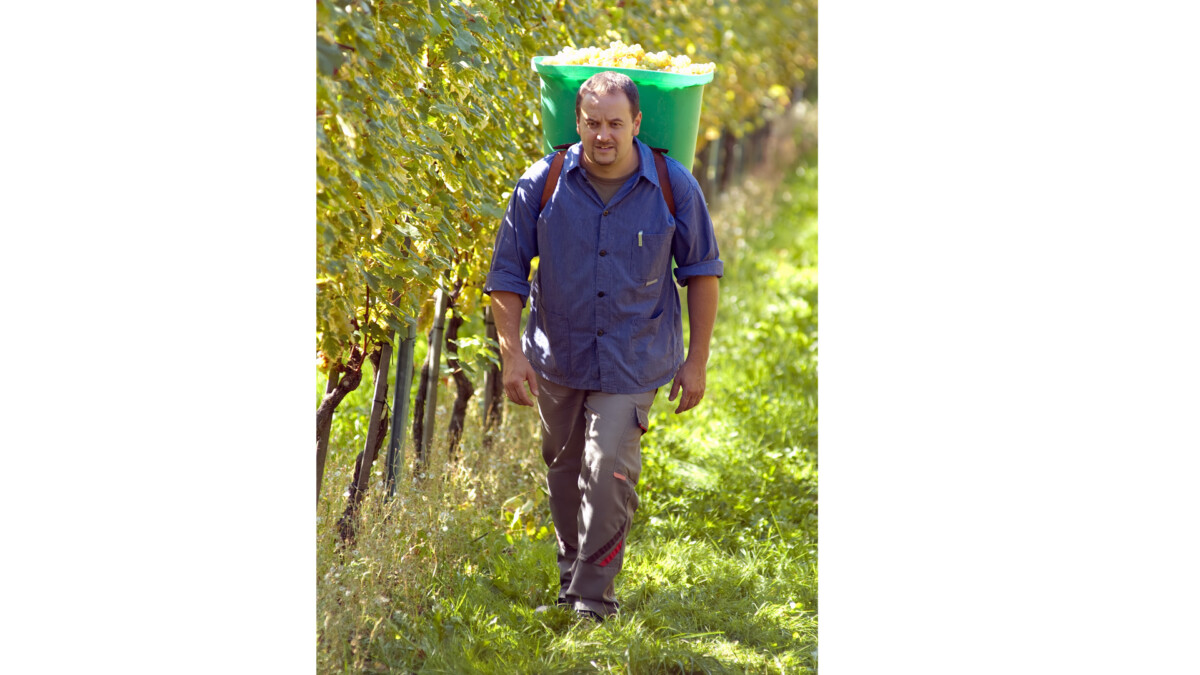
591,443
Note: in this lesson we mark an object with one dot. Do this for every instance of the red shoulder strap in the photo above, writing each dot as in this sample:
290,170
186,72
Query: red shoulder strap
552,178
664,179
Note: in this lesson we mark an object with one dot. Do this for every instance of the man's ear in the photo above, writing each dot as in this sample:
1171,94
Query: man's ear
637,123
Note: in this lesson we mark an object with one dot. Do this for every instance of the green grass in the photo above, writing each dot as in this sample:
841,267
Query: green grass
721,574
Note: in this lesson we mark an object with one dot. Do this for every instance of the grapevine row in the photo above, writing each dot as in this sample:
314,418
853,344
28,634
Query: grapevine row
427,112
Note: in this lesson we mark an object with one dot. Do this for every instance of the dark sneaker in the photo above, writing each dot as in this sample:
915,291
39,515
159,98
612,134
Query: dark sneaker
561,602
589,614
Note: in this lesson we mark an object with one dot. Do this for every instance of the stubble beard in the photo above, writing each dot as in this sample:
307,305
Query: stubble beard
611,158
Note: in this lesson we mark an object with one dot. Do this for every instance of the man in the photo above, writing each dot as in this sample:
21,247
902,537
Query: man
604,329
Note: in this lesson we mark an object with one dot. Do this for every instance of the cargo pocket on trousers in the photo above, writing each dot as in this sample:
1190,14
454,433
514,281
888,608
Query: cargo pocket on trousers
643,420
629,457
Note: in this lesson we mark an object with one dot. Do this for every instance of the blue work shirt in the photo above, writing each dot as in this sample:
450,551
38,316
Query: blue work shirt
604,313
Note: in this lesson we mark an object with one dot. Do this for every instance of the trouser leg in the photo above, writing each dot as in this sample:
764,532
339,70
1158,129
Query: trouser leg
602,447
561,410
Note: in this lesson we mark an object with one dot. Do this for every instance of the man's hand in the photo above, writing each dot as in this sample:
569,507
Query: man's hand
702,294
517,372
690,379
506,307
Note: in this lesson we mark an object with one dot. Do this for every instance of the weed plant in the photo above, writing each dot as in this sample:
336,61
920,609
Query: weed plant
721,570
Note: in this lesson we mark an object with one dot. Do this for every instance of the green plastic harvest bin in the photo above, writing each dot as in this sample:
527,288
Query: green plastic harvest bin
670,104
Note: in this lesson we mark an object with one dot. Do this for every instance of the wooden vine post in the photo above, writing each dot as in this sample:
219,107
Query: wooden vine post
378,408
425,410
404,375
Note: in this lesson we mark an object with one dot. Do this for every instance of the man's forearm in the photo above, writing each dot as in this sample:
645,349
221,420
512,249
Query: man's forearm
506,307
518,374
702,293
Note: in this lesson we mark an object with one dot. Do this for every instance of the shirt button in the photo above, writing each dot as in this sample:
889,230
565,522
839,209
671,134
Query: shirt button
600,294
606,213
600,332
603,252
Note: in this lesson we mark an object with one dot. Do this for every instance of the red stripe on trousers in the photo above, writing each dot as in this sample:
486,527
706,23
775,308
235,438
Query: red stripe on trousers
616,549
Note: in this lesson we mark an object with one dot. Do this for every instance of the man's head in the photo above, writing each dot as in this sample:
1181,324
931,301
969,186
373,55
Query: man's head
609,82
607,118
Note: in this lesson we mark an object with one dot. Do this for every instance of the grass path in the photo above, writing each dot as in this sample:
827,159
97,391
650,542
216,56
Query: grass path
721,570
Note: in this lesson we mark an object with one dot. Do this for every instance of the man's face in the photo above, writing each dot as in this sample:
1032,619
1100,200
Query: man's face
607,128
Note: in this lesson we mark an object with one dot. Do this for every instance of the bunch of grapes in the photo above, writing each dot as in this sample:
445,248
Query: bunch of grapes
621,55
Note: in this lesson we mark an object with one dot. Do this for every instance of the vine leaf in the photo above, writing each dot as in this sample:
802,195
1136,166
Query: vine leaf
329,57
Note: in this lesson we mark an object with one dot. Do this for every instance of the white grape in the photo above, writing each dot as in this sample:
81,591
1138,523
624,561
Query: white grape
620,55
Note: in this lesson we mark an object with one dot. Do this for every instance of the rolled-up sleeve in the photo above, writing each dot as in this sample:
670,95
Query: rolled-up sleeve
695,244
516,239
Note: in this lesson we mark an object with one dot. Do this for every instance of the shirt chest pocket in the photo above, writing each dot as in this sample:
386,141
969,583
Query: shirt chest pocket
650,257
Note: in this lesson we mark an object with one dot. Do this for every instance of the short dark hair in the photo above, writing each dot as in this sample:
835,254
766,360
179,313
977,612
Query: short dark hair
609,82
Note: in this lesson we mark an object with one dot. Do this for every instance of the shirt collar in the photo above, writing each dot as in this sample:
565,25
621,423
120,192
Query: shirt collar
571,161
